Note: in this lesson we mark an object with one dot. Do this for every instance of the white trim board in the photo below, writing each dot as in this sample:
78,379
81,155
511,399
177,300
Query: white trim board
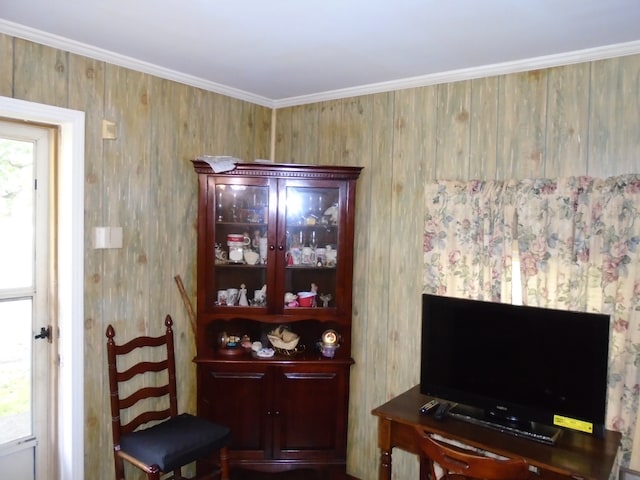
70,275
568,58
67,45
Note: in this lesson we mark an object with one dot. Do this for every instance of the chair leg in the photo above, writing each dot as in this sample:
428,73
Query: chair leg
118,467
155,475
224,463
425,468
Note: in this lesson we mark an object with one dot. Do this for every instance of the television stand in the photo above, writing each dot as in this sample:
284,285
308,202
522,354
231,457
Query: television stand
531,430
574,455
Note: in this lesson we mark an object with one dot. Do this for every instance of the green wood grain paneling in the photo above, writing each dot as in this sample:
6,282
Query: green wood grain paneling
567,124
311,140
521,125
283,134
330,135
6,65
261,144
127,270
614,145
40,73
235,142
302,148
452,130
218,132
483,136
372,147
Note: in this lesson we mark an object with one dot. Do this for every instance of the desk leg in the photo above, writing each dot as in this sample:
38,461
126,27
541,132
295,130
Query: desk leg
384,470
384,443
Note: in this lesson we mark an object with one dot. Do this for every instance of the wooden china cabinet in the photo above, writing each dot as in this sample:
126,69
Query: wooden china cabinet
275,255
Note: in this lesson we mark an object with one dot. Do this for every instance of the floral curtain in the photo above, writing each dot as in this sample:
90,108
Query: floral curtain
578,241
467,242
579,250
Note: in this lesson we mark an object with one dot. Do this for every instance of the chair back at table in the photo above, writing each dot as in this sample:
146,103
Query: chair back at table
460,463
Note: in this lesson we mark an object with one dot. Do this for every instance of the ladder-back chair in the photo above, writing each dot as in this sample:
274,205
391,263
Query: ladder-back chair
172,440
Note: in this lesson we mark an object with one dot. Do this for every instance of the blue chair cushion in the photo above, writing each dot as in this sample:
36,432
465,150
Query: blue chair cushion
175,442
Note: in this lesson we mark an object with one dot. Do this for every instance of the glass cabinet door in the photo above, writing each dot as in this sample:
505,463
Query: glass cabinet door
312,246
241,215
276,246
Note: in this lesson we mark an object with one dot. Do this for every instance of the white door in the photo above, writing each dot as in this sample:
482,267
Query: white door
27,363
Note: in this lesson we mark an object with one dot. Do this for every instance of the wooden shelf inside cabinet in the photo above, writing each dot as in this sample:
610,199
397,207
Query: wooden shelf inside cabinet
300,220
244,225
313,355
239,265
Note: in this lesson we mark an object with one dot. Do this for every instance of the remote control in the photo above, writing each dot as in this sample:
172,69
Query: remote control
428,407
442,411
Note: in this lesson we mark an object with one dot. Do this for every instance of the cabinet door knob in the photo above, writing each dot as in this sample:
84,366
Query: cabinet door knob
280,247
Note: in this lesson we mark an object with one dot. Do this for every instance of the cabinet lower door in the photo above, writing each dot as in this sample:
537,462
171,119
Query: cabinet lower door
240,399
311,420
280,416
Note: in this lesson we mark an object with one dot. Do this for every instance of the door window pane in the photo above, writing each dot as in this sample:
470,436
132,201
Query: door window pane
15,370
16,214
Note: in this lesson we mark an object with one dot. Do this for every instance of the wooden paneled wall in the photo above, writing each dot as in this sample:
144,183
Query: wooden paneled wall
573,120
581,119
142,181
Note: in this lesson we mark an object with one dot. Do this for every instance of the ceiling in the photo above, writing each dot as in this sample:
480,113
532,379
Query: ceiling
286,52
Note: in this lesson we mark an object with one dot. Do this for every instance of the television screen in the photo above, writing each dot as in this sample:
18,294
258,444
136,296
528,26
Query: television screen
515,365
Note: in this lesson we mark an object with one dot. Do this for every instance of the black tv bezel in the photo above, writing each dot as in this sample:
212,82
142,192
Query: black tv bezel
489,407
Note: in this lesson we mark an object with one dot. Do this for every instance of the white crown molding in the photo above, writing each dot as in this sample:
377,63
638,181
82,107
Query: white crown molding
536,63
62,43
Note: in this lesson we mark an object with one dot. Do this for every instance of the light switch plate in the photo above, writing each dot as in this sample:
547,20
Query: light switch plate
107,237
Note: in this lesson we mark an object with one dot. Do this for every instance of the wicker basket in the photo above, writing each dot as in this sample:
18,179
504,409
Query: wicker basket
283,339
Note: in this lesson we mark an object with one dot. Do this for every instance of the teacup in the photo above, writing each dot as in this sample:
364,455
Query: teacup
251,257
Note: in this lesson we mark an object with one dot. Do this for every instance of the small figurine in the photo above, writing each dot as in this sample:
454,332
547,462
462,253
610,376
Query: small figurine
245,342
221,255
290,299
326,298
243,302
260,297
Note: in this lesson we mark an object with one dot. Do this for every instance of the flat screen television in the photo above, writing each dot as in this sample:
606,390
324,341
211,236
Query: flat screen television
525,370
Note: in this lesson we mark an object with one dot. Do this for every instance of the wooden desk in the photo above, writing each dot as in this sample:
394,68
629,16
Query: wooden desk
575,454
